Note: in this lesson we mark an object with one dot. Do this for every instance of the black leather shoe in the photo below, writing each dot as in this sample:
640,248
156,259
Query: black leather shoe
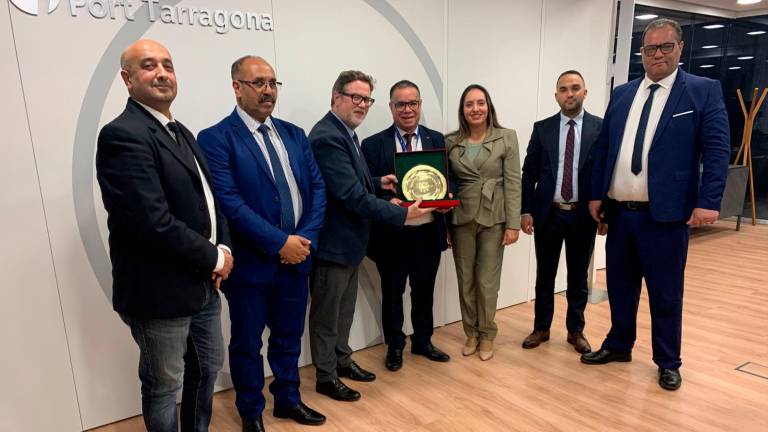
431,352
603,356
670,379
301,414
335,389
355,373
254,425
394,360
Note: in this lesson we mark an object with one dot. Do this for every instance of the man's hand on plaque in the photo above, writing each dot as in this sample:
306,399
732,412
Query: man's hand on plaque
414,211
389,182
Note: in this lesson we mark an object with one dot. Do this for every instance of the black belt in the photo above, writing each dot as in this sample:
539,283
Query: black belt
565,206
633,205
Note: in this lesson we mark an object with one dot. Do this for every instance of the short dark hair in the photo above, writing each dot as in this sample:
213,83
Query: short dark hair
491,120
403,84
235,70
349,76
662,22
572,72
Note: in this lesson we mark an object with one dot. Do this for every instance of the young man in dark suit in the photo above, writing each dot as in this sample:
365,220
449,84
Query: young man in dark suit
269,187
168,243
352,206
413,252
660,165
556,181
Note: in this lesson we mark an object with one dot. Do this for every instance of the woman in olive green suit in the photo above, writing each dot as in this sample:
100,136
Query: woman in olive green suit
485,165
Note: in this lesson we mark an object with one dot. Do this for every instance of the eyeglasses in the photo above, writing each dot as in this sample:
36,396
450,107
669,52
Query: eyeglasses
665,48
259,83
413,105
356,99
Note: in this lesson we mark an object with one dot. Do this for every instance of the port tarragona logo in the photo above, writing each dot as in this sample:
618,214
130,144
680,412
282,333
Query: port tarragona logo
33,6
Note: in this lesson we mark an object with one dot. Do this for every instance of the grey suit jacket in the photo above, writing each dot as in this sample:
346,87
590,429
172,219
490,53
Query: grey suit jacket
489,187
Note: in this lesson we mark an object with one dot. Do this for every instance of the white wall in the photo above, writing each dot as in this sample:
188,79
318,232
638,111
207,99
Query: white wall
35,357
66,84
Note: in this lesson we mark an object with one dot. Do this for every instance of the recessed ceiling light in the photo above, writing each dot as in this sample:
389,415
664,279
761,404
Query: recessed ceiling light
745,58
646,17
734,68
747,2
755,33
680,64
713,26
707,66
709,46
637,54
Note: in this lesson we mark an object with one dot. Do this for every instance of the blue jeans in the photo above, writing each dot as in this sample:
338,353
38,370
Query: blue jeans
179,353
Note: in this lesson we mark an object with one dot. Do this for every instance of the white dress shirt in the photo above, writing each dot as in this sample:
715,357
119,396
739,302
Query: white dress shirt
415,141
253,125
206,187
564,119
626,186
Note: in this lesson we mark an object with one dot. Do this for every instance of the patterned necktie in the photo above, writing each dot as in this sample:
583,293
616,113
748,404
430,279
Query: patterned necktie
287,219
408,141
637,151
566,189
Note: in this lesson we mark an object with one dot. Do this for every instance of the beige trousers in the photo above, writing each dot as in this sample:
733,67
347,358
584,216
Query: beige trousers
478,255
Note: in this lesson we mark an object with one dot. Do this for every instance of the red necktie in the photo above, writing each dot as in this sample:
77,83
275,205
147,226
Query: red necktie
566,190
408,139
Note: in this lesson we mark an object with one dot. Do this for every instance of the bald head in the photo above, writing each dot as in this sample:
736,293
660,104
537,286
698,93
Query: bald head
147,71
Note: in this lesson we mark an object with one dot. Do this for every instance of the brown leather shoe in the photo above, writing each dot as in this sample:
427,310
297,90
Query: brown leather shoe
579,342
535,339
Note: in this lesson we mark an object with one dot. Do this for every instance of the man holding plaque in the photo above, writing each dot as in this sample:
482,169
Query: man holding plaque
412,253
352,206
556,175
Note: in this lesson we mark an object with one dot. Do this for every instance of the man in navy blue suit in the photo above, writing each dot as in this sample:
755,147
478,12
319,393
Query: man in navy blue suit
352,207
271,191
413,252
556,183
660,165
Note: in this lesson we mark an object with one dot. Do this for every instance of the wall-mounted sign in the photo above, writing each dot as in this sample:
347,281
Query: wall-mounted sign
154,11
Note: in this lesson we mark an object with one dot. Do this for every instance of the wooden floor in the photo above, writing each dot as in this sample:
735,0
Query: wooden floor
547,389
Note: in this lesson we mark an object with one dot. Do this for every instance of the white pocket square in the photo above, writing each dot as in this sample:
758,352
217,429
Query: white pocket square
681,114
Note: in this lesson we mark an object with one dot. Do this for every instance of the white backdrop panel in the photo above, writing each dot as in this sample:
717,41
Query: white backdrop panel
38,373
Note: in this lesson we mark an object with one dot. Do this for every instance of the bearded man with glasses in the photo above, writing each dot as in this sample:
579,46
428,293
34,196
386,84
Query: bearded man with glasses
660,164
352,207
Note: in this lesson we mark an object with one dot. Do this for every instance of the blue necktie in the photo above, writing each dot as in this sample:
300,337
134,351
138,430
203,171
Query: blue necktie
287,219
368,180
637,152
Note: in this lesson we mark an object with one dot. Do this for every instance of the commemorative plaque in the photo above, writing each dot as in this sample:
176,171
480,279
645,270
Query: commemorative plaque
423,175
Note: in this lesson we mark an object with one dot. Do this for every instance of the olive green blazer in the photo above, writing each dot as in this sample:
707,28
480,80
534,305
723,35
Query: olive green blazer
490,186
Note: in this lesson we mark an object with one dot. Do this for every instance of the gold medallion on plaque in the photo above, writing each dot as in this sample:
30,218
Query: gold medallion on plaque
425,182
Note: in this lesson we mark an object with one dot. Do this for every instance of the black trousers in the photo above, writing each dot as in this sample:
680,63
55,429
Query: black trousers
416,258
563,226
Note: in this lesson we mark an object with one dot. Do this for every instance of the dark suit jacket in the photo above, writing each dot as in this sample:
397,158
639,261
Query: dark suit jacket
246,192
540,166
692,130
379,151
158,219
350,192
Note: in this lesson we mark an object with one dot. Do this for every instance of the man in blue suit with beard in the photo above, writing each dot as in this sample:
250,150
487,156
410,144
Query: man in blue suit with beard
271,191
659,167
